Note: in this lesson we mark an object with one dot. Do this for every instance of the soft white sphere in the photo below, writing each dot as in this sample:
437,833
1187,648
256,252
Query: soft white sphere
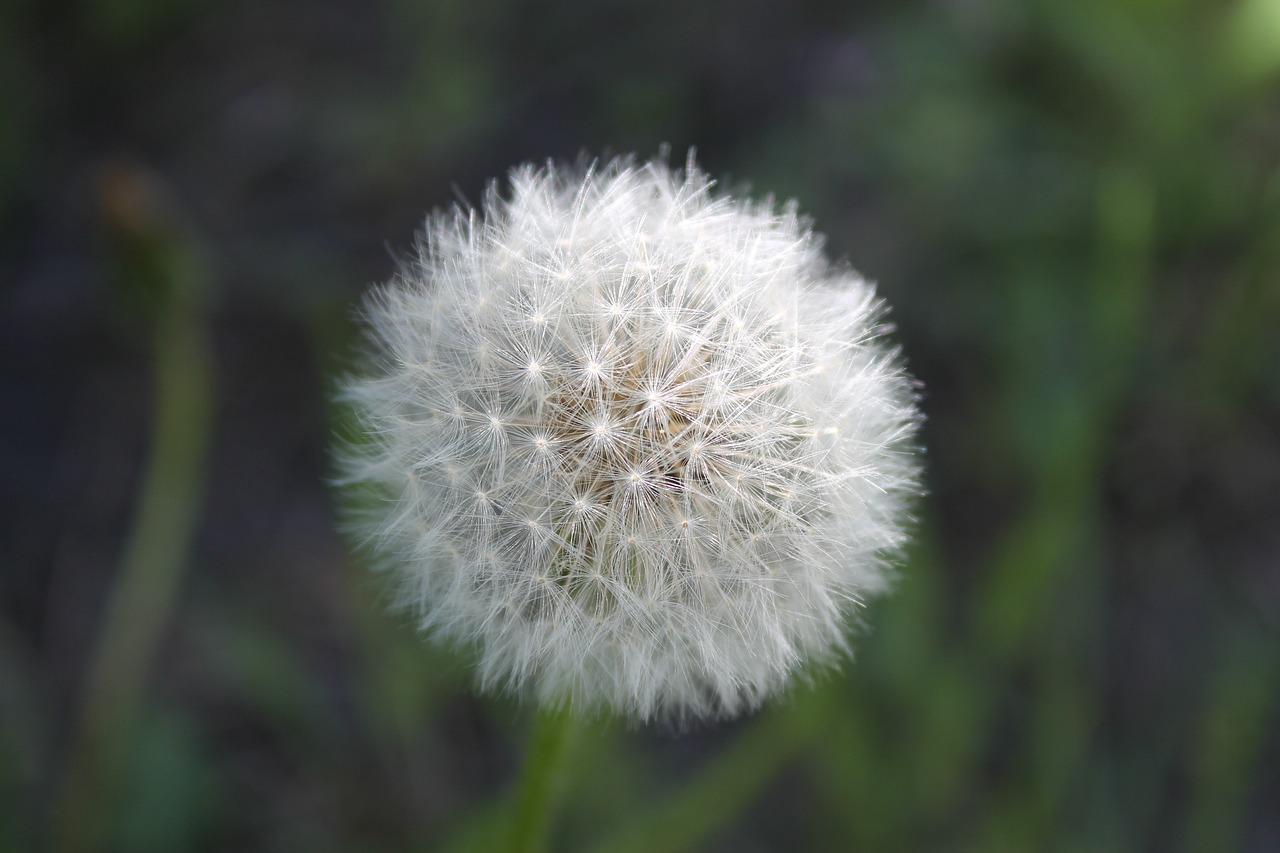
638,444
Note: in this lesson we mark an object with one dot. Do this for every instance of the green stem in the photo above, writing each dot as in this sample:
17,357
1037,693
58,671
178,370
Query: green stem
540,780
143,595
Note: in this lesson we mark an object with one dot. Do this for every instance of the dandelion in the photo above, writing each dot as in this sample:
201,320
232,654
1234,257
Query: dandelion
635,442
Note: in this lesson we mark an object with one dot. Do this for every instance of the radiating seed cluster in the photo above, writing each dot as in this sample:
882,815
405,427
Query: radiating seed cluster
637,443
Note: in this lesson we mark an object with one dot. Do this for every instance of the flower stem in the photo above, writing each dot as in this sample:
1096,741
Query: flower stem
144,593
540,780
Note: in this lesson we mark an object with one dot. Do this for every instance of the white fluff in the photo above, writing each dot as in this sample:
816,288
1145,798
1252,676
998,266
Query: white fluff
638,444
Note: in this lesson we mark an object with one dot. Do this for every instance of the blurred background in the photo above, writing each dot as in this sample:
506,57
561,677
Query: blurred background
1074,208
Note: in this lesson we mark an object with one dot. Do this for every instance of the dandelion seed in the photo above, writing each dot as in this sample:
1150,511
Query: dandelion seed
680,452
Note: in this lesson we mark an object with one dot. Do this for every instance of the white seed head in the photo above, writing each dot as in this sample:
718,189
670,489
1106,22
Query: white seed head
636,443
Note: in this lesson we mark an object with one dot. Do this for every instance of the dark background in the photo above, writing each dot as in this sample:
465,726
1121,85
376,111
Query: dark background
1074,208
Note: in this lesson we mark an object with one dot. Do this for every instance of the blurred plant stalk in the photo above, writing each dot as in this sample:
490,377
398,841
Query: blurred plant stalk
160,278
541,780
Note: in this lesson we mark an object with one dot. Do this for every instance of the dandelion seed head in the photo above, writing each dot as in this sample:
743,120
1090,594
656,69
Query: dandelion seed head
659,450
